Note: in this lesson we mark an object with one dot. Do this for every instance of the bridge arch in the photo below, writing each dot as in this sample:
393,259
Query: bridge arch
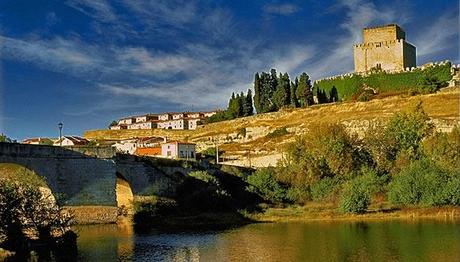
125,196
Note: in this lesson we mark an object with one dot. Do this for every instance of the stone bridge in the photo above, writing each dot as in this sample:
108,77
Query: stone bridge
93,182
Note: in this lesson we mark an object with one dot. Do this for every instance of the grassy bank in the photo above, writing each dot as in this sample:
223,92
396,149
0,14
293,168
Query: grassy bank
315,211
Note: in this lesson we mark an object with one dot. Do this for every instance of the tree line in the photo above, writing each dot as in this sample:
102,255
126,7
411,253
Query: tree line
273,92
239,105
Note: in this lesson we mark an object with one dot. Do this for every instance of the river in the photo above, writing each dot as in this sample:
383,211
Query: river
395,240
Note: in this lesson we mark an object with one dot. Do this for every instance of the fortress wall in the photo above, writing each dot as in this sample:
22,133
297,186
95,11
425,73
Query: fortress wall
379,34
409,55
388,54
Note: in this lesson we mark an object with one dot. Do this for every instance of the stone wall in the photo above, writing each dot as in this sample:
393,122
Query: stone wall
74,178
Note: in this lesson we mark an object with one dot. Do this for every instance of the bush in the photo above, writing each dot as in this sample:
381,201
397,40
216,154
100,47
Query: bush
444,148
205,177
278,133
298,195
26,212
264,183
426,183
325,188
355,198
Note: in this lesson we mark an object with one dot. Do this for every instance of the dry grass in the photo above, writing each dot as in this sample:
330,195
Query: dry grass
442,106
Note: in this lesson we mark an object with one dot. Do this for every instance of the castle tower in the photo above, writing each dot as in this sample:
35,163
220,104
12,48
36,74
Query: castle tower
384,47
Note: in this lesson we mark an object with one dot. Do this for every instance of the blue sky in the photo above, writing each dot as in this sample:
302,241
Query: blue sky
87,62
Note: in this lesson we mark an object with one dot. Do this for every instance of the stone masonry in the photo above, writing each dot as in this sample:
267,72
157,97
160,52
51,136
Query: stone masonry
384,47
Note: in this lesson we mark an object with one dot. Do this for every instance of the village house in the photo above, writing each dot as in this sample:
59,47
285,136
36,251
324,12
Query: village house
139,146
178,150
71,141
176,121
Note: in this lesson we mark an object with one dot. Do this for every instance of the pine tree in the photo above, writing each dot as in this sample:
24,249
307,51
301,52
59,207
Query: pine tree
294,99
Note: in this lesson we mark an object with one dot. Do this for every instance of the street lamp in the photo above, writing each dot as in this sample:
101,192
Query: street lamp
60,125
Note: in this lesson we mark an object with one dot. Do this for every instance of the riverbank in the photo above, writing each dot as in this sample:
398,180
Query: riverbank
312,211
329,211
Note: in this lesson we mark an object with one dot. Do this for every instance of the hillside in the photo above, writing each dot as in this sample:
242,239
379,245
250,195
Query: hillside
247,140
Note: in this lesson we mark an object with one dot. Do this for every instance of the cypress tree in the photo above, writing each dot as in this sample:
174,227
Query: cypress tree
333,95
248,108
257,92
304,92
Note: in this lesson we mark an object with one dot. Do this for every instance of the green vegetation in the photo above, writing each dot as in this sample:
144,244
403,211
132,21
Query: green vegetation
27,213
238,106
273,92
404,162
423,81
277,133
4,138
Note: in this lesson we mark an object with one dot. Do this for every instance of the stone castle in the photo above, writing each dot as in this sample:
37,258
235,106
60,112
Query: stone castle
385,48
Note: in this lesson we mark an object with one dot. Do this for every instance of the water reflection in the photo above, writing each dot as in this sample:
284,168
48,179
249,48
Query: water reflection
319,241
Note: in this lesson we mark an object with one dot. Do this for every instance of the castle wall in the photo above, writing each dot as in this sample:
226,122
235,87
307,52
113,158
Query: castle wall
387,55
409,55
381,34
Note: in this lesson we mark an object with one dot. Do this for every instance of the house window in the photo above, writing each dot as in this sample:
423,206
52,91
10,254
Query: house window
168,153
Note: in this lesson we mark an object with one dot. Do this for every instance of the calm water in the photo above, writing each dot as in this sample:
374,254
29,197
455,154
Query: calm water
318,241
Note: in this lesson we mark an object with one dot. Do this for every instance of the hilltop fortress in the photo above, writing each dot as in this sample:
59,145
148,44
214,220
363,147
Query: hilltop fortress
384,47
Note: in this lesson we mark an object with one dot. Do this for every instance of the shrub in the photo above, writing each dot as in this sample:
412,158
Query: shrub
444,148
26,212
355,198
426,183
264,183
325,188
277,133
205,177
299,195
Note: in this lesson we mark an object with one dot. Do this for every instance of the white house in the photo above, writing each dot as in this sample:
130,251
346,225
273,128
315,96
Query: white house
176,150
127,146
144,125
71,141
178,124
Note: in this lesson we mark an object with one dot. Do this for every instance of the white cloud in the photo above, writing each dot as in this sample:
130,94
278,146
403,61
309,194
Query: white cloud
281,9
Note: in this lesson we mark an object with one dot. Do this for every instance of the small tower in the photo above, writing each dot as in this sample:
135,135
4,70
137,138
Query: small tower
384,47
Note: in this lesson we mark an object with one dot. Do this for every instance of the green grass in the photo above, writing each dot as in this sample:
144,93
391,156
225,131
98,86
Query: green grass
349,86
21,174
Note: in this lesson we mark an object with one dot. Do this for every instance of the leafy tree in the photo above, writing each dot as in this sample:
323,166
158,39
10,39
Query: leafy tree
25,208
398,143
443,148
304,90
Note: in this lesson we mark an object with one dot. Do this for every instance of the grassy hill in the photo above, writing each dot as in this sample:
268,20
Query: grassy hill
261,137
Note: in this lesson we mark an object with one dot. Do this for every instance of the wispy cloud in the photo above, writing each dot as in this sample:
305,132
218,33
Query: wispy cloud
440,36
359,14
98,9
281,9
